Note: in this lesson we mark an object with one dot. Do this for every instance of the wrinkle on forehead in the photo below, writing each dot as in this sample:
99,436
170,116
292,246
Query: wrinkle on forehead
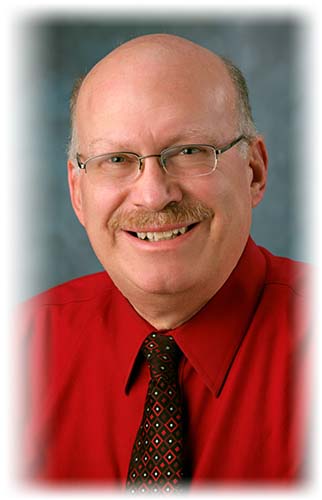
184,136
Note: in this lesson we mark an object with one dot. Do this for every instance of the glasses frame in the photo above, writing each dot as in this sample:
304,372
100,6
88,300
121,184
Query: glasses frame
217,152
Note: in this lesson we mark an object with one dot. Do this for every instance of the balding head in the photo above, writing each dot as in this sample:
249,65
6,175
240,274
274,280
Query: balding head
171,62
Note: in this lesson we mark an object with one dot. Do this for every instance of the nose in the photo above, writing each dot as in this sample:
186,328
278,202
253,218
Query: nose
154,189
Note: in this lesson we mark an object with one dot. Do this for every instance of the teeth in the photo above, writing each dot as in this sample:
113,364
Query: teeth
165,235
142,236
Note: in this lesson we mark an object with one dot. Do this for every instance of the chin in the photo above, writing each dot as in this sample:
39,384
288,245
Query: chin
161,285
154,283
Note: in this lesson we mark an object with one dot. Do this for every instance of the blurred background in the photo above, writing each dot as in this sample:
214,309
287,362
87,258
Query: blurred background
52,51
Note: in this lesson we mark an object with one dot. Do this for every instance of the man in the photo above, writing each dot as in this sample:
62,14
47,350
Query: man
165,166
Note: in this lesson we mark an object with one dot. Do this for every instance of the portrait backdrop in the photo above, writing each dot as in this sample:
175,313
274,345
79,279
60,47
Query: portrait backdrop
52,51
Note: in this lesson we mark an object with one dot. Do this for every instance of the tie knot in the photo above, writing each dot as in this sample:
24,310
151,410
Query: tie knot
162,355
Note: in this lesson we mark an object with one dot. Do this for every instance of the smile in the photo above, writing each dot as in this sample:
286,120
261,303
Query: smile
162,235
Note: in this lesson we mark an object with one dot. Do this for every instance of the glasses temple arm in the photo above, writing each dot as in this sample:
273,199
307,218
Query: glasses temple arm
80,163
225,148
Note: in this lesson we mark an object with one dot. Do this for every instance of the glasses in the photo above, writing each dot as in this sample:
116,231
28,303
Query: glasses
187,160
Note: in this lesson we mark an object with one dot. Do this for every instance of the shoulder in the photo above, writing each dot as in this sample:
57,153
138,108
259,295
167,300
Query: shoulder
72,302
282,272
286,299
77,290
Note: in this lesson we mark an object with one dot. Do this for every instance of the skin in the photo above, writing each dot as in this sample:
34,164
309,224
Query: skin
154,92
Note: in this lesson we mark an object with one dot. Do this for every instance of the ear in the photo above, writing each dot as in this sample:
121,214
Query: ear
74,182
258,162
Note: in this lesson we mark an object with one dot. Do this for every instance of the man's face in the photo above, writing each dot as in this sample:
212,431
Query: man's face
144,111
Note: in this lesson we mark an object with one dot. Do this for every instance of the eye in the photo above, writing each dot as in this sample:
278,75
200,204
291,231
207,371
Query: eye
189,150
117,159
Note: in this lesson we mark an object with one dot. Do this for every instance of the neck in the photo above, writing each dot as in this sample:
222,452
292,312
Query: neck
168,311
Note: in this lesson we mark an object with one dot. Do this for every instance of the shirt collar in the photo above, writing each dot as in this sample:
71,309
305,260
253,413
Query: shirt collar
209,340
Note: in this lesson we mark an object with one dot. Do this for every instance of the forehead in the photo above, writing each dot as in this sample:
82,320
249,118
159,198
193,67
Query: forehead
156,93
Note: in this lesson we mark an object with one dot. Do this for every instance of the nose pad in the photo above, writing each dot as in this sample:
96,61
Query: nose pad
141,158
154,189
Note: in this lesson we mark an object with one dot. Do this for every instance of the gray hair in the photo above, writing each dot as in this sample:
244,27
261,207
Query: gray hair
73,140
246,123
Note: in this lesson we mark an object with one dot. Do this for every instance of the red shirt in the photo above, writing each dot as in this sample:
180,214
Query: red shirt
241,373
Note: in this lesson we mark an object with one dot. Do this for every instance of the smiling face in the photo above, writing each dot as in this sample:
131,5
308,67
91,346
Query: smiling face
160,235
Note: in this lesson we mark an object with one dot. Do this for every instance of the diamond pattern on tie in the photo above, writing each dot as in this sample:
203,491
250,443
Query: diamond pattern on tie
156,464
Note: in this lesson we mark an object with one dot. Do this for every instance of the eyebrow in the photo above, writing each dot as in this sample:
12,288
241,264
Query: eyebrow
184,136
193,133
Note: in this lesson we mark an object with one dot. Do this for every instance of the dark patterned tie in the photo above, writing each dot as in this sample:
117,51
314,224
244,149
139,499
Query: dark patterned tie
157,458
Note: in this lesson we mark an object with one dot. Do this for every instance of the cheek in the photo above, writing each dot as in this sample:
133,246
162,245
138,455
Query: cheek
224,192
98,207
230,198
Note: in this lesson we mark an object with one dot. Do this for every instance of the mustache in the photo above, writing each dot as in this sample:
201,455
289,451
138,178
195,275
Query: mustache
175,213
